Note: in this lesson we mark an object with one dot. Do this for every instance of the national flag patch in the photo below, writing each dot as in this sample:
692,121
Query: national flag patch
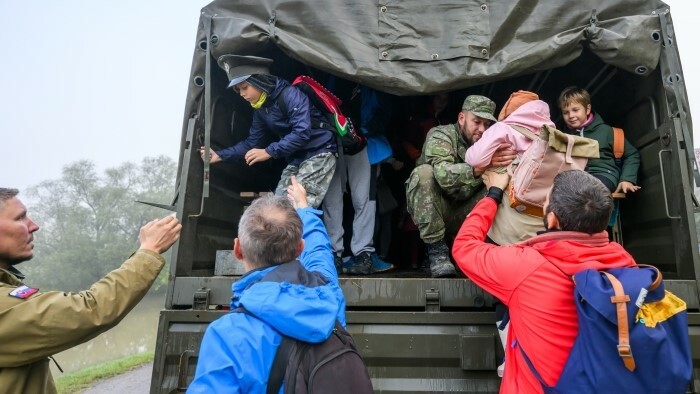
23,292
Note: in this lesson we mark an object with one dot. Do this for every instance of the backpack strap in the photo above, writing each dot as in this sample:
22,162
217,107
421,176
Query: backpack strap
531,366
524,131
620,299
618,142
279,365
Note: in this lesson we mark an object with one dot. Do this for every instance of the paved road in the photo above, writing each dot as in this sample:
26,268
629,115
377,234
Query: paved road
137,381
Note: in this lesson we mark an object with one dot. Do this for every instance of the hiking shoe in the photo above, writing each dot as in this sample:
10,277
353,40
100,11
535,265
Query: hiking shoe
338,262
361,265
439,257
379,265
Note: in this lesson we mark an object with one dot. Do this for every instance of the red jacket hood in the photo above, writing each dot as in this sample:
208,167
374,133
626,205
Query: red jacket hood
572,252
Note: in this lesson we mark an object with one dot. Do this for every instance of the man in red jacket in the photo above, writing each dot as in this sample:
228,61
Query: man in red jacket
533,278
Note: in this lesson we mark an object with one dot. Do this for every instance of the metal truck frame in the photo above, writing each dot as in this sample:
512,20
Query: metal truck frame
419,334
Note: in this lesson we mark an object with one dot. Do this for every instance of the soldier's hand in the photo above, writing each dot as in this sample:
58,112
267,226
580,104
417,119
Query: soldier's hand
504,156
493,178
160,234
297,194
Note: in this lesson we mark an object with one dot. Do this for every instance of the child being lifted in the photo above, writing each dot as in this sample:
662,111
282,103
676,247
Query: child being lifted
575,105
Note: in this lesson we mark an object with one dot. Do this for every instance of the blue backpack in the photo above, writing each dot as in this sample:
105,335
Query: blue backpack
632,338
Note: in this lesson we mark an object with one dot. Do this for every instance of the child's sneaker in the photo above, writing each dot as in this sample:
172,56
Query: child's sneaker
379,265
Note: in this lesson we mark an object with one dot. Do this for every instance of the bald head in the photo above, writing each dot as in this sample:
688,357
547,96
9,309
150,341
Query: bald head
269,232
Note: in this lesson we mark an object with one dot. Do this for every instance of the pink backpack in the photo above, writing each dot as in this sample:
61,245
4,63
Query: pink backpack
550,153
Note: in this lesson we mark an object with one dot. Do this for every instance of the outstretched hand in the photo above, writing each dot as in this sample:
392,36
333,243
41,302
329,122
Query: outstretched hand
493,178
624,187
297,194
159,235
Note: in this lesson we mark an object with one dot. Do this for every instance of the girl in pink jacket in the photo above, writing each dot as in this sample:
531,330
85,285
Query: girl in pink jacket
511,226
531,115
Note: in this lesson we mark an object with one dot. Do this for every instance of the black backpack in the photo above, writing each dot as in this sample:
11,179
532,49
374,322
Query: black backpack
348,138
333,366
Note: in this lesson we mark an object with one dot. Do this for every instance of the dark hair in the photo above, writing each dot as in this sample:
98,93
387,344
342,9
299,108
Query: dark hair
574,94
6,194
269,232
581,202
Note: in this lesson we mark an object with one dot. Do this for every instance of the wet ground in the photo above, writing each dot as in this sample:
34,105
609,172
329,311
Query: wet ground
137,381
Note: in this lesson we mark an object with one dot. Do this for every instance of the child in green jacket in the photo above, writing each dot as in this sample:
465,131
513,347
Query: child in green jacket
575,105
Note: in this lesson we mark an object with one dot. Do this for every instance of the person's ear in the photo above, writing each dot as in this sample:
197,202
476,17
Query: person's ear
588,109
552,221
237,249
300,247
461,118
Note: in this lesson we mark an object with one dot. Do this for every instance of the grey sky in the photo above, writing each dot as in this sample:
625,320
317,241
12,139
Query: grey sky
106,81
98,80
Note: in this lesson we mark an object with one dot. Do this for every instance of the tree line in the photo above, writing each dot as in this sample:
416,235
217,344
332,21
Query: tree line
90,221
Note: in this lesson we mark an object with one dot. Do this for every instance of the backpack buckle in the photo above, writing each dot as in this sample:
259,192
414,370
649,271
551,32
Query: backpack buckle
624,350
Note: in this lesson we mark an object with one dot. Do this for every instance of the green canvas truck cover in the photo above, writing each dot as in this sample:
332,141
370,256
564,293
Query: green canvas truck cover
419,47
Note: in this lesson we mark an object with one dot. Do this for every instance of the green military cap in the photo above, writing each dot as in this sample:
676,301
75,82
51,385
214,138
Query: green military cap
239,68
480,106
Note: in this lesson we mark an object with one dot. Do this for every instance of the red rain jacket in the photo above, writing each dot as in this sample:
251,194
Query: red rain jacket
529,278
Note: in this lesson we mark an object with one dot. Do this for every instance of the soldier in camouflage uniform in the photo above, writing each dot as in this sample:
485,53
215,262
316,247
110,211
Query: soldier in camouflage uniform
442,189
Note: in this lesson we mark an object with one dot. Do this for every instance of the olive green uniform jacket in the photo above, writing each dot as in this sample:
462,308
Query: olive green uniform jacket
44,324
442,189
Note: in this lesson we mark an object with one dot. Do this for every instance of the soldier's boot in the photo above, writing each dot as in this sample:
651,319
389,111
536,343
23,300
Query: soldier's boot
362,265
439,257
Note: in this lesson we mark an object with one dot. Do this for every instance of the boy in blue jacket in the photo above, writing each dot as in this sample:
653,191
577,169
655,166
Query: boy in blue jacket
302,135
298,298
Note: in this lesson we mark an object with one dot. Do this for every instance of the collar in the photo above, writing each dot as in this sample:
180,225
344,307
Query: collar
248,279
11,276
599,239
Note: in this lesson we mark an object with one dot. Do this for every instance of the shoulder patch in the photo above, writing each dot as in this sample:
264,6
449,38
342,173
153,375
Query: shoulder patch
23,292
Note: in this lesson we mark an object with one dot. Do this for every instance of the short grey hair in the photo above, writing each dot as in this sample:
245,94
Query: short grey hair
581,202
6,194
269,232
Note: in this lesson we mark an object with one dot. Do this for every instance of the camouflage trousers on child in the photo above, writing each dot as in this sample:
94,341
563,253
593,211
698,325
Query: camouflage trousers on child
314,173
433,212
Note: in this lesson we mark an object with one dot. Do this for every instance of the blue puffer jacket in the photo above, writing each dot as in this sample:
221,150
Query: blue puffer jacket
300,300
297,140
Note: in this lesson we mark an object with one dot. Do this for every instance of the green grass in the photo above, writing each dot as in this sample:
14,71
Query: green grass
75,382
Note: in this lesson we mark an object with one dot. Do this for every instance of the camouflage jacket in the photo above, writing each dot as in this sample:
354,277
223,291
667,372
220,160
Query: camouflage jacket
444,149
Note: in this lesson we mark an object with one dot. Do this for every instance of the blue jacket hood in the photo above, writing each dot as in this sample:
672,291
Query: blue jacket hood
306,310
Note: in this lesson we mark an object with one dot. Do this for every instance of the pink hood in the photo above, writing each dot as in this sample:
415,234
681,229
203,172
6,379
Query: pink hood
532,116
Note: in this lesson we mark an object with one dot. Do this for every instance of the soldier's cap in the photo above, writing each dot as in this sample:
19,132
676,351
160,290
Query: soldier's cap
239,68
480,106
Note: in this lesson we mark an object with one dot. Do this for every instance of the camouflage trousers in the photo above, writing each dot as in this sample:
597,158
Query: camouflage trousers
314,173
433,212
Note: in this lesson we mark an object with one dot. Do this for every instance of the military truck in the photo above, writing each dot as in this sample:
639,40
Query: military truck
419,334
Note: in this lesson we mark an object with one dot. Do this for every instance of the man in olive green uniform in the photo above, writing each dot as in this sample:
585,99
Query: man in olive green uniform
442,189
36,325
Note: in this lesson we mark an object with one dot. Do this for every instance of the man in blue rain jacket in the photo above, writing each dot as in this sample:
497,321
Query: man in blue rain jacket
280,294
